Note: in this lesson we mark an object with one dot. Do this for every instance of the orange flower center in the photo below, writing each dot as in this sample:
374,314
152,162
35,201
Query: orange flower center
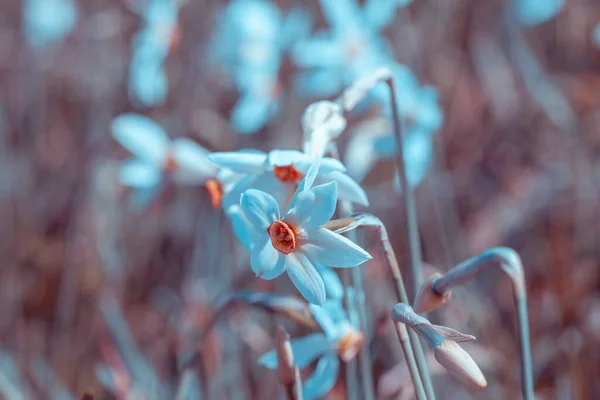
282,236
287,174
350,345
215,192
170,163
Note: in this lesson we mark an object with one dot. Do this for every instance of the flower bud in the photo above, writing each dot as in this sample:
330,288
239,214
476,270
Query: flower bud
427,299
459,363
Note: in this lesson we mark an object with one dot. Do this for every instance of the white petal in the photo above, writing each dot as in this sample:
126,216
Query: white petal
143,137
266,261
282,158
324,318
260,208
348,189
193,165
305,277
305,350
138,174
241,226
323,379
243,162
333,250
314,207
333,285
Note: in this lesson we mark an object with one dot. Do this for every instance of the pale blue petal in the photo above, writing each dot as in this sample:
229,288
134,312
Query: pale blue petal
326,165
139,174
260,208
534,12
141,136
242,162
47,21
314,207
242,228
297,25
319,51
305,350
323,379
323,317
596,36
328,248
266,261
348,188
282,158
381,13
148,82
305,277
333,285
319,83
343,15
306,183
251,113
193,165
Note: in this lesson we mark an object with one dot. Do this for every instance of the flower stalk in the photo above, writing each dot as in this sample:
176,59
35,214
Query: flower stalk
415,350
287,370
437,291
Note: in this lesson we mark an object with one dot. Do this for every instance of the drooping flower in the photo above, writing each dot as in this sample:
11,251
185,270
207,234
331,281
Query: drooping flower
339,340
48,21
157,156
296,241
351,47
279,172
535,12
249,44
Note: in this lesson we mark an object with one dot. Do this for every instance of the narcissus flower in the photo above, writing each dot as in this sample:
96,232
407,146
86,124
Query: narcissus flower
339,340
280,171
156,155
297,242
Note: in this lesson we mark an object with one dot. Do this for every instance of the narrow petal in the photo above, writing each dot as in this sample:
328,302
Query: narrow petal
314,207
305,350
323,379
324,318
143,137
242,162
348,188
305,277
251,113
316,52
342,15
242,228
333,285
333,250
260,208
193,165
138,174
281,158
267,263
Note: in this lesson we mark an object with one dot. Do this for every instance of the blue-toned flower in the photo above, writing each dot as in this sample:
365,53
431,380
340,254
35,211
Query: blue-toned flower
535,12
48,21
296,241
249,44
351,47
279,172
596,35
156,155
148,83
339,340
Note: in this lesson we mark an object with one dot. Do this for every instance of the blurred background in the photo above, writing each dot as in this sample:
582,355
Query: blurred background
102,285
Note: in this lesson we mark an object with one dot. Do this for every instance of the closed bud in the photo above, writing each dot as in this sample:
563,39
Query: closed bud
459,363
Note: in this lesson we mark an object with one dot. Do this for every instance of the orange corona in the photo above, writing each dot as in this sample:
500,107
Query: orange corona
170,163
215,192
283,236
350,345
287,173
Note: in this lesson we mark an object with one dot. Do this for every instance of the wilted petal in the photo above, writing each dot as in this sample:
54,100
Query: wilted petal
143,137
333,250
323,379
266,262
453,334
305,277
242,162
312,208
260,208
348,188
139,174
193,165
305,349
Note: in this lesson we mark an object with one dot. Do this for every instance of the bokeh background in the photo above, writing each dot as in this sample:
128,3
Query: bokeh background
101,285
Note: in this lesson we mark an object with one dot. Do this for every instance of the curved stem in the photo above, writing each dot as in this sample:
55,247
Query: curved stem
415,350
510,262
